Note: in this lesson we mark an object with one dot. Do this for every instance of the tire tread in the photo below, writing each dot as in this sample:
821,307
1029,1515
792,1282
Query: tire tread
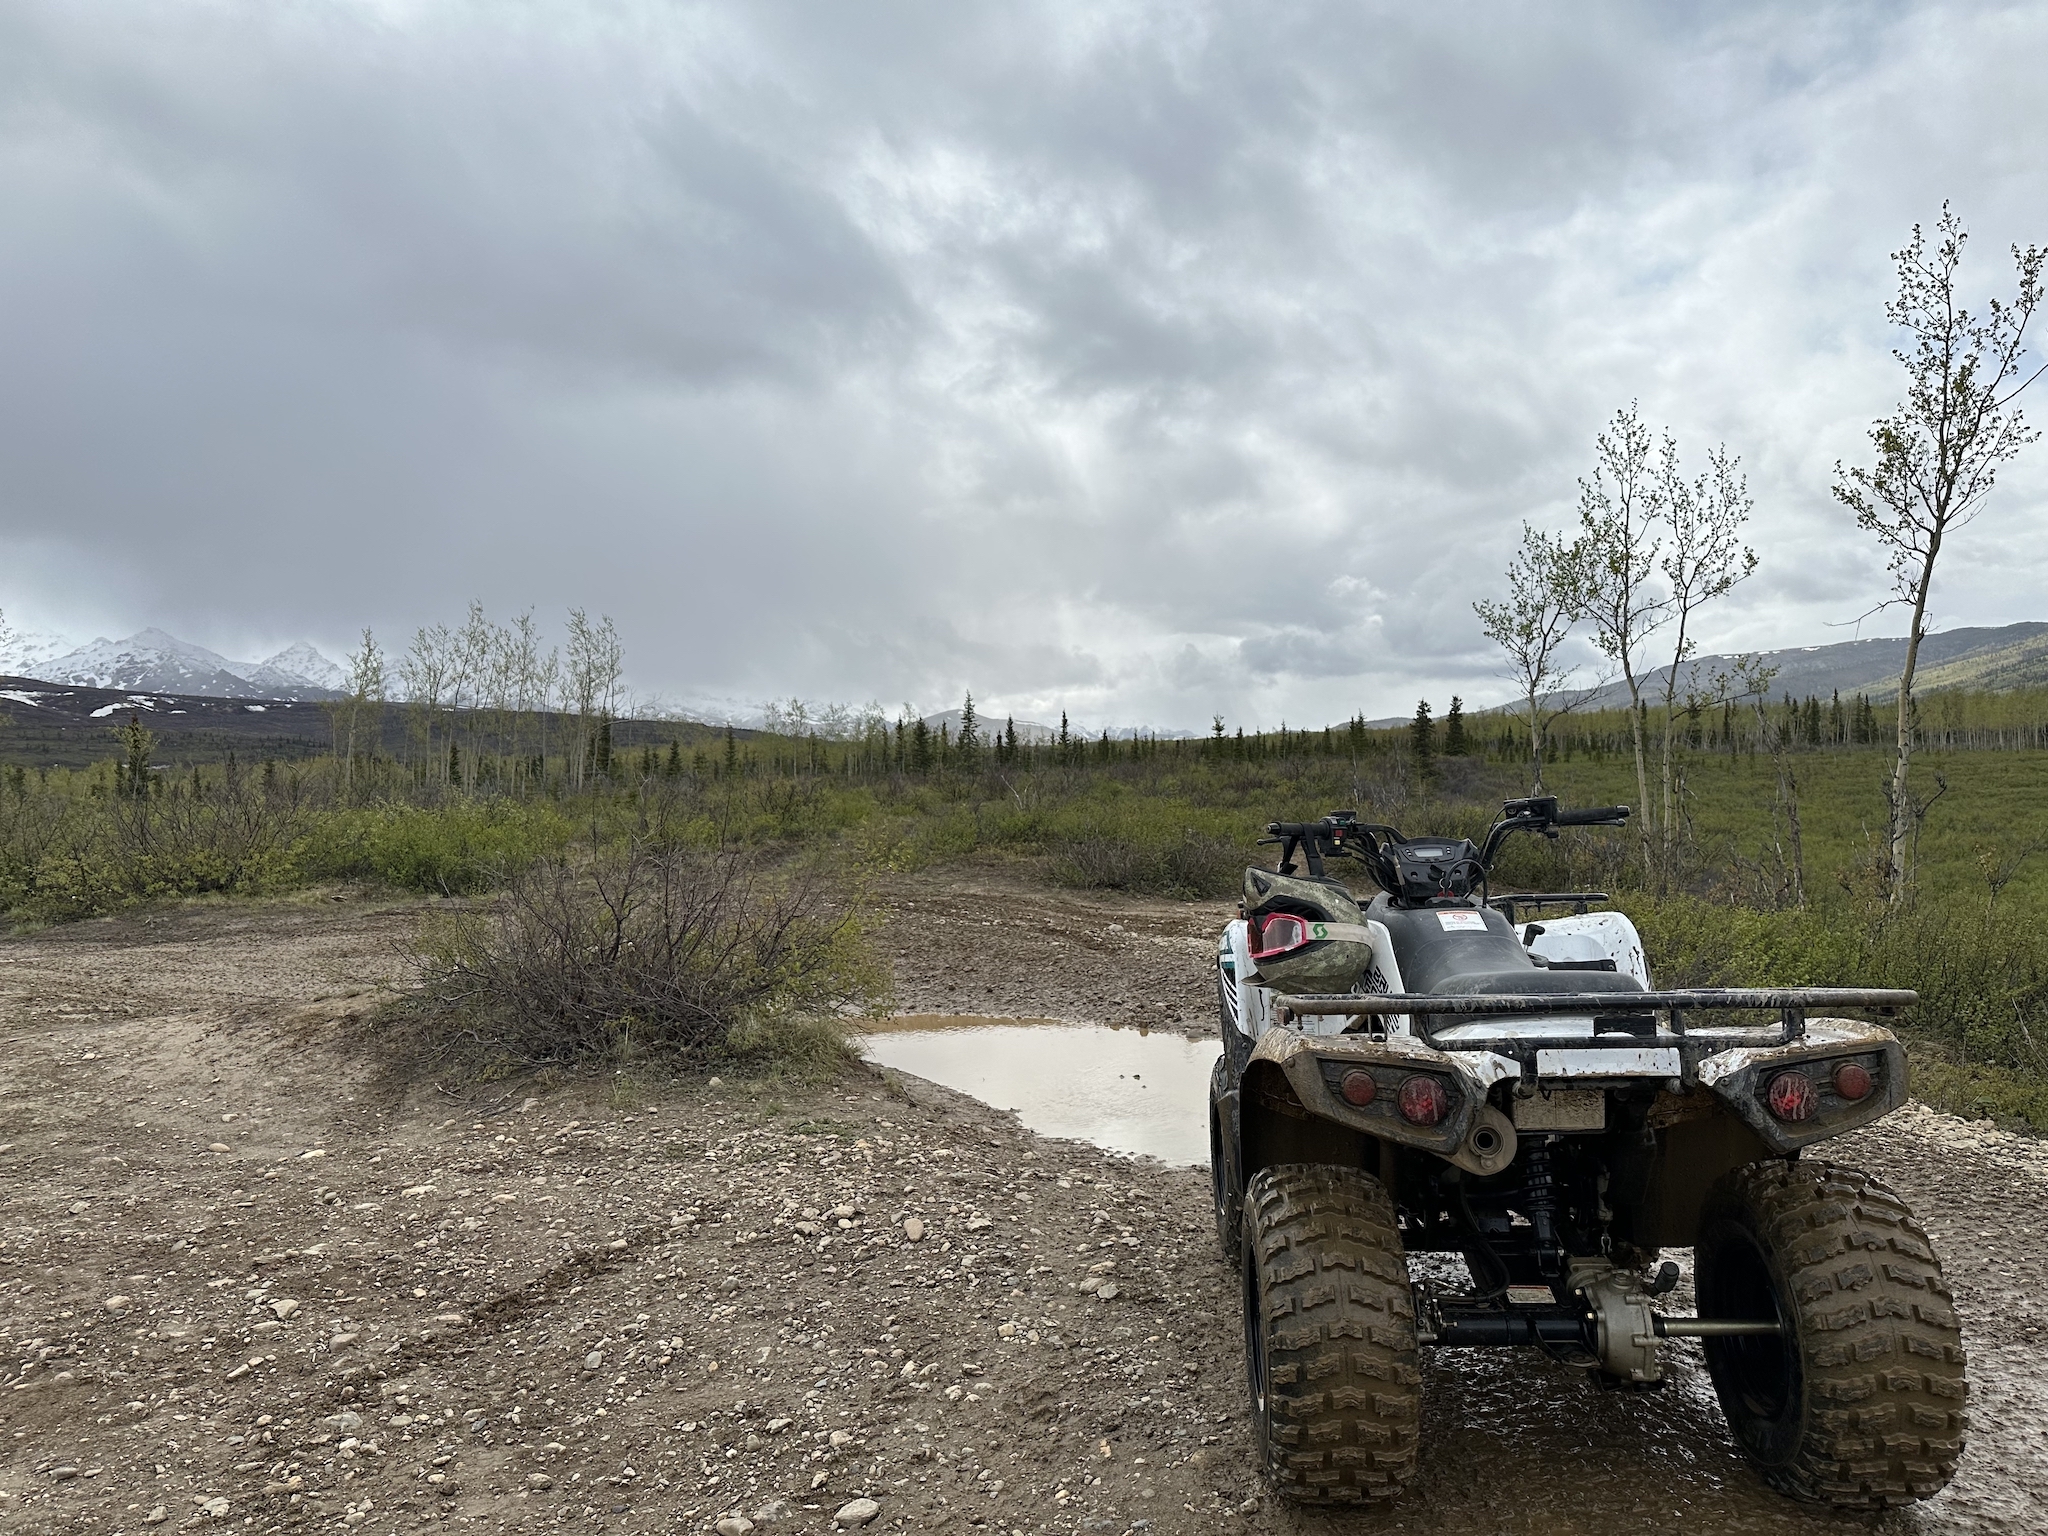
1344,1384
1883,1355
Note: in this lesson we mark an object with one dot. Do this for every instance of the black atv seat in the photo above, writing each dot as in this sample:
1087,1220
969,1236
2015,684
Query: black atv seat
1439,950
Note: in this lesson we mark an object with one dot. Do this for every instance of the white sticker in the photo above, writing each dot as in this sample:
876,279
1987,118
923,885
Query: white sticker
1462,922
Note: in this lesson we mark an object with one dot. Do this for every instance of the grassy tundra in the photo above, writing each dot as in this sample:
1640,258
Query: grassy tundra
1784,815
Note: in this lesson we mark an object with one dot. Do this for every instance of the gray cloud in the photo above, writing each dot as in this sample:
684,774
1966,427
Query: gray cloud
1145,361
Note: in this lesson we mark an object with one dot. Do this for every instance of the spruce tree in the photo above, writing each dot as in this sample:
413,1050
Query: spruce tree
967,745
139,745
1454,729
1422,743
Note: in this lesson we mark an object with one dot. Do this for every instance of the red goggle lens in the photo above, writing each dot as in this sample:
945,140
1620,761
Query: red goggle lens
1278,934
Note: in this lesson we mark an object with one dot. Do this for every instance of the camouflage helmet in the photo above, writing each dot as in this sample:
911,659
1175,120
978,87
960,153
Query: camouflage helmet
1304,934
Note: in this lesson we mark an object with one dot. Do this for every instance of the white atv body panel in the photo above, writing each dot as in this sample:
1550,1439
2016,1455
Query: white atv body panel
1595,936
1589,936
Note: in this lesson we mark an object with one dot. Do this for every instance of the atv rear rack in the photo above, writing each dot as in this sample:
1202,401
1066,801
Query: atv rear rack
1621,1013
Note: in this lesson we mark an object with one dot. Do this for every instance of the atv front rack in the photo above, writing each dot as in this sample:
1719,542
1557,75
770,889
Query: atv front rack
1620,1013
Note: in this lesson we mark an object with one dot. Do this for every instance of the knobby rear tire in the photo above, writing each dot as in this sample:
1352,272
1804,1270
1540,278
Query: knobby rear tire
1330,1350
1860,1404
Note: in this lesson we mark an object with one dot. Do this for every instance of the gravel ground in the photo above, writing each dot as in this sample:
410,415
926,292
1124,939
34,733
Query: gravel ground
245,1283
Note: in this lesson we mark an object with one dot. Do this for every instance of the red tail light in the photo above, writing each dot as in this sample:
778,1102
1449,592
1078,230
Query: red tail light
1280,933
1852,1080
1423,1100
1358,1088
1791,1096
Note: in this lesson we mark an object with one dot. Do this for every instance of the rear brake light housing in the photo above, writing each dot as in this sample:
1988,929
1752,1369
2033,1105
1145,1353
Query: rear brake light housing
1791,1096
1853,1081
1423,1100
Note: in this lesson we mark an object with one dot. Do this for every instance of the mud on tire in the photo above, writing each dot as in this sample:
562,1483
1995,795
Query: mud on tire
1336,1385
1860,1403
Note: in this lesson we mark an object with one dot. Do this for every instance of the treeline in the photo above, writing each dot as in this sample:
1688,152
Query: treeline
1958,721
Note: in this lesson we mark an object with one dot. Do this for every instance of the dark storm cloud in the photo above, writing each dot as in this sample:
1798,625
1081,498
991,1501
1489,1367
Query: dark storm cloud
1149,361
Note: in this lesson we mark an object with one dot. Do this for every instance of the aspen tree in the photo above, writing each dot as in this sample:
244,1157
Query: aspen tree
1936,457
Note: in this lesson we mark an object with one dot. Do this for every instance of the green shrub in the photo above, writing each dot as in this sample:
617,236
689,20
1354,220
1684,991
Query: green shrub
1979,1091
1981,975
1191,865
456,848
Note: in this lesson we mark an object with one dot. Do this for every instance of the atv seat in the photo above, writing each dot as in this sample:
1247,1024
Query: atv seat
1474,951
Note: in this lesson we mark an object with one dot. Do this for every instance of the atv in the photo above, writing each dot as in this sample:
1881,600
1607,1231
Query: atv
1495,1079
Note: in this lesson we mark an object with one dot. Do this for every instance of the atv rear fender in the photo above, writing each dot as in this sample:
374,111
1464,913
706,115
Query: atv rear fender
1290,1107
1741,1078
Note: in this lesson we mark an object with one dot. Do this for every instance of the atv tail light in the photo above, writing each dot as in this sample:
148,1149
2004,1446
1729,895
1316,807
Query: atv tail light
1790,1096
1280,933
1358,1088
1423,1100
1852,1080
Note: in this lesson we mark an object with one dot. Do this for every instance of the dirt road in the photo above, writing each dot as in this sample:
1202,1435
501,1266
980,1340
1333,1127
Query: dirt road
245,1284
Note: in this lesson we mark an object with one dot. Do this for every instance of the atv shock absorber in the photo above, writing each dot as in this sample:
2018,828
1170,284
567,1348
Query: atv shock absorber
1539,1184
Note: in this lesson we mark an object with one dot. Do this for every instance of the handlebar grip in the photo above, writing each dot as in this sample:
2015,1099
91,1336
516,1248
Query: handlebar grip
1604,816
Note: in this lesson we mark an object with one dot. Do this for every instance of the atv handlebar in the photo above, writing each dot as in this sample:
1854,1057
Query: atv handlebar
1278,830
1341,833
1604,816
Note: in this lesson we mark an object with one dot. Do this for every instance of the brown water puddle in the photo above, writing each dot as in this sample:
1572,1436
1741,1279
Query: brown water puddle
1138,1091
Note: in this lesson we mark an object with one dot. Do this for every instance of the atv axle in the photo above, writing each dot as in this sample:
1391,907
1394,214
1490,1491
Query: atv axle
1712,1327
1484,1330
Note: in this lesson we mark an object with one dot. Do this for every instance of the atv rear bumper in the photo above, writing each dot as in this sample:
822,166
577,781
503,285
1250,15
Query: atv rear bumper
1579,1042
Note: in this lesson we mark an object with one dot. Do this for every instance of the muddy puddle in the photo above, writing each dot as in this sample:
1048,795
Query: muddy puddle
1143,1092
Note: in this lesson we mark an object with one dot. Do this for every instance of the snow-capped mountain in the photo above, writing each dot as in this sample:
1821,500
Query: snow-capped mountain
24,652
297,666
156,662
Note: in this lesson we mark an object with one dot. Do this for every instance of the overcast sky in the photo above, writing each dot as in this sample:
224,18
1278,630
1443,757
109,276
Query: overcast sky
1146,361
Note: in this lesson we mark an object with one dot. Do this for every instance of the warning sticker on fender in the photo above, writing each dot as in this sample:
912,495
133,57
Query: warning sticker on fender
1462,922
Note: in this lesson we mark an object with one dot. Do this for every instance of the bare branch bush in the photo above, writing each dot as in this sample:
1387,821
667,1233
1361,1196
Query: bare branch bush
638,952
